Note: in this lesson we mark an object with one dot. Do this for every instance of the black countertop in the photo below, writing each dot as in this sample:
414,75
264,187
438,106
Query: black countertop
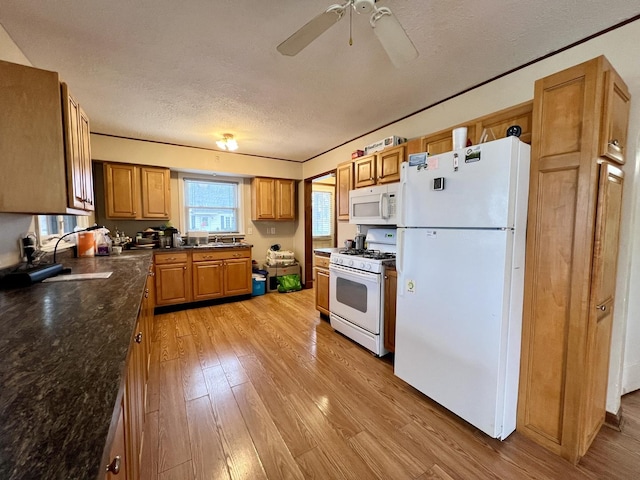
63,349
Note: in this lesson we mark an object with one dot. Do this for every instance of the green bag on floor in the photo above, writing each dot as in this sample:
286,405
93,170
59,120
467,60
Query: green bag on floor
289,283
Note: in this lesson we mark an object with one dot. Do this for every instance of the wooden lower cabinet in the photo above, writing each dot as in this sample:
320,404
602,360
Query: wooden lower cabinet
184,277
117,464
573,226
321,284
208,279
237,276
390,289
127,440
173,278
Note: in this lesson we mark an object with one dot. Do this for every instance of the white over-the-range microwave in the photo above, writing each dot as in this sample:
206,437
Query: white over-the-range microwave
374,205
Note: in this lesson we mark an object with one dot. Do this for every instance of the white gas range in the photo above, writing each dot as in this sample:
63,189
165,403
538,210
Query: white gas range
356,301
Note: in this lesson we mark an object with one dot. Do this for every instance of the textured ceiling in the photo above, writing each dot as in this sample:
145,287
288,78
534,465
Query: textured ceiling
187,72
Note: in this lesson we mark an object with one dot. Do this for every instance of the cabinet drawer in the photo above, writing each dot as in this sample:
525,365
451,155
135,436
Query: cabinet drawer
322,262
209,255
164,258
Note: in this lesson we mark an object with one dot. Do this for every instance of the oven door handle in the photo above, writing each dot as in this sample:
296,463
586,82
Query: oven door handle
371,277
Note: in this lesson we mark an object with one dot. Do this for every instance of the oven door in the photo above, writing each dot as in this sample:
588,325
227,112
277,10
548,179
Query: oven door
356,296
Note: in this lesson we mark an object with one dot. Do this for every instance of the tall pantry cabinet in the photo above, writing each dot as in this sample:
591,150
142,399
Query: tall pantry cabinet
580,118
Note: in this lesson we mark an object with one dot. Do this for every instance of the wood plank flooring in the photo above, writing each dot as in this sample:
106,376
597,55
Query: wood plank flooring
265,389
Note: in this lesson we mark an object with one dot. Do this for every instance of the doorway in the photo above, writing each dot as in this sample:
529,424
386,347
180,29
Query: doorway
320,225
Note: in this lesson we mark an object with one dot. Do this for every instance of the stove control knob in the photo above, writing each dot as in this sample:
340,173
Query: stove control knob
351,263
368,266
362,265
338,260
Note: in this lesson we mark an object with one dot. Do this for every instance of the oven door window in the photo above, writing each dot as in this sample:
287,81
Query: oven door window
352,294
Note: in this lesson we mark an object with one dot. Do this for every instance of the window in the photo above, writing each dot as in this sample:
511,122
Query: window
211,206
52,227
322,206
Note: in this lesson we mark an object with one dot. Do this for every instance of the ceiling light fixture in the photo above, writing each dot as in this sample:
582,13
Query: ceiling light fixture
227,142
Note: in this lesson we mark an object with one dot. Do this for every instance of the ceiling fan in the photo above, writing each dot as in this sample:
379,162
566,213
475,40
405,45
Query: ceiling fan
385,25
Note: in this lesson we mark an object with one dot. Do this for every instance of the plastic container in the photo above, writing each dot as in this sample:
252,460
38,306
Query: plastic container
259,285
86,244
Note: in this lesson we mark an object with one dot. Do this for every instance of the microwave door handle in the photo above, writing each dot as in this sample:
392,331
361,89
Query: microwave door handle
385,206
380,205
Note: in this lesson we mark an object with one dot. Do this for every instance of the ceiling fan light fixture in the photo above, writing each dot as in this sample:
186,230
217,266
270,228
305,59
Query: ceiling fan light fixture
227,142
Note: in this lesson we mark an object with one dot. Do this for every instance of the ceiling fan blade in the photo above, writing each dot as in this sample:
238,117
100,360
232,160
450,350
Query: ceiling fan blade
393,38
311,30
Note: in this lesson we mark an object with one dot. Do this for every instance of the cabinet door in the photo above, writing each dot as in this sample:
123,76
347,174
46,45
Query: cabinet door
388,164
263,198
75,168
285,199
134,411
322,290
390,289
117,468
496,124
121,190
437,143
603,281
365,171
237,276
85,160
615,118
156,199
208,280
344,181
173,282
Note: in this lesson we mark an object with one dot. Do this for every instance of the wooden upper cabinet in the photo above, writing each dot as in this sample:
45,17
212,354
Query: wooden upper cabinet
344,183
77,152
121,190
388,164
285,199
364,169
273,199
136,192
263,198
437,143
495,126
43,150
378,168
155,188
615,118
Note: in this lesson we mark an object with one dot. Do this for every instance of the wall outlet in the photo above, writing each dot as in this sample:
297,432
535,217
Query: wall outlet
250,231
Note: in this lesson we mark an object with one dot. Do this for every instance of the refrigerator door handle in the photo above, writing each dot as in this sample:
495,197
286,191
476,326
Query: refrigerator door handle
401,206
399,260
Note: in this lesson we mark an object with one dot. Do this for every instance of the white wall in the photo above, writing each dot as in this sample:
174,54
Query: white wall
620,47
12,225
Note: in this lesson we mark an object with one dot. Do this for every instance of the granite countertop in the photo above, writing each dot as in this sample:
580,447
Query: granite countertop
63,348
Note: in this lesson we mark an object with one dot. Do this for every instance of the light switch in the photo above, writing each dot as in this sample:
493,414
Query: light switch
250,231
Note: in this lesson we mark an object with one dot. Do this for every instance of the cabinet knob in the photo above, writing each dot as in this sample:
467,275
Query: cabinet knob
614,142
184,268
114,466
151,274
602,308
138,338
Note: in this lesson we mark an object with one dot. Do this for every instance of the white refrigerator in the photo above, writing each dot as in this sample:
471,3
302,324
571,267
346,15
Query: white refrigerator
460,261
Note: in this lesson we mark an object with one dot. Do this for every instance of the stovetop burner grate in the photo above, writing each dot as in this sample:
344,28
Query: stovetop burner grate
372,254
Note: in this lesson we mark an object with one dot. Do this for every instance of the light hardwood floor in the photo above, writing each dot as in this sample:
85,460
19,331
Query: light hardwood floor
265,389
